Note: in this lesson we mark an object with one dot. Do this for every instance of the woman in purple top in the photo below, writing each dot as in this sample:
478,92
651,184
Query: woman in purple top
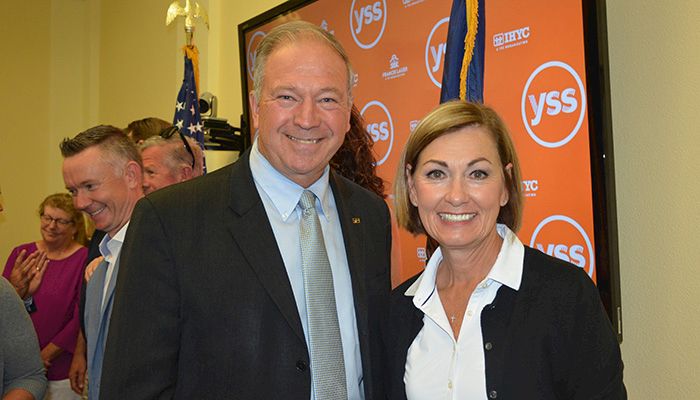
48,275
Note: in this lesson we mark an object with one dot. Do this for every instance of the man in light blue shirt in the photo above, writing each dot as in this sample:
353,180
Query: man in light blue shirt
224,310
102,170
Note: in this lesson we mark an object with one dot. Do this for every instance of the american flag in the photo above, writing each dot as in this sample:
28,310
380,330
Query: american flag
187,117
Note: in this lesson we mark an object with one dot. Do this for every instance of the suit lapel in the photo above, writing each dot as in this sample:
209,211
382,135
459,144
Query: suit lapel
249,226
353,234
110,289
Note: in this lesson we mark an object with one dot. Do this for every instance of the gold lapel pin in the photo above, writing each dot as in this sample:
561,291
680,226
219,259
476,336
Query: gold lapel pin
355,220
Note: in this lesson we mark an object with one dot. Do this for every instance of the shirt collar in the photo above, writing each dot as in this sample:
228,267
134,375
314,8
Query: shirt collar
283,193
111,245
507,270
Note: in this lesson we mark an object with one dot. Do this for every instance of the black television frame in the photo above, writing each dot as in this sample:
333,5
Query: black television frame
600,137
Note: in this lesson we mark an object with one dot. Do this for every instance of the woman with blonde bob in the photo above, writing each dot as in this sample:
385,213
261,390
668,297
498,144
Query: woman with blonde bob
488,318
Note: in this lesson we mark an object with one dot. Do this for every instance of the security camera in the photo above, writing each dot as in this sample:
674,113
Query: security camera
207,104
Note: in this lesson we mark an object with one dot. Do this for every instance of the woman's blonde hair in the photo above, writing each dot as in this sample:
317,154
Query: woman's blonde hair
446,118
64,201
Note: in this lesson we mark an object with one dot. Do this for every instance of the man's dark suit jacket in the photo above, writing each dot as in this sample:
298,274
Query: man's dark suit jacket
549,340
204,308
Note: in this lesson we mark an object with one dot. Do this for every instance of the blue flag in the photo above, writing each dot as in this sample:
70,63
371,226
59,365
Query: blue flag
463,71
187,118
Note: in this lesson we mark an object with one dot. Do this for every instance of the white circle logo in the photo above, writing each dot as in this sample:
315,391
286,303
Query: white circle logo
251,51
380,128
362,23
435,53
555,102
563,252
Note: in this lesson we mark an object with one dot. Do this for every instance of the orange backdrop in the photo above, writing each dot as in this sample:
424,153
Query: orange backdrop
534,77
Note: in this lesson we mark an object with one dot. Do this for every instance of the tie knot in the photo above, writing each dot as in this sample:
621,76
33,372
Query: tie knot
307,200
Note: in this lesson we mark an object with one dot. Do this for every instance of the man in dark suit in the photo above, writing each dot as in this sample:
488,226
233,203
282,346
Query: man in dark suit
102,170
212,300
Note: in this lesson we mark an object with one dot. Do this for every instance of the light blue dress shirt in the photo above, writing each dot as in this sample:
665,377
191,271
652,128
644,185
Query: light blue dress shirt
280,197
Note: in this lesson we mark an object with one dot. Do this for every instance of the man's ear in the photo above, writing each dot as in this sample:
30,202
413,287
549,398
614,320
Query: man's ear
133,174
185,172
253,103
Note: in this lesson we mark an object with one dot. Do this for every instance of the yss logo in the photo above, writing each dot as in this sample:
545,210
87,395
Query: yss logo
435,48
253,43
553,104
367,14
380,128
564,238
573,254
367,22
378,131
556,102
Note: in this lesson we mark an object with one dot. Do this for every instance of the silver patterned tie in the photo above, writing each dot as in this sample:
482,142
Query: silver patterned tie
327,366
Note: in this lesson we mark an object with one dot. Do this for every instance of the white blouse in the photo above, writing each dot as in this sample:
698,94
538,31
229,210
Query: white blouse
437,365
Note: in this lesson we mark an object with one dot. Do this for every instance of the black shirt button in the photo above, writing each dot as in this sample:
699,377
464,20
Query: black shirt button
301,365
488,346
493,394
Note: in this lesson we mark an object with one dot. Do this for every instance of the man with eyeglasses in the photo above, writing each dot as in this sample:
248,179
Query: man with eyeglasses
102,170
168,159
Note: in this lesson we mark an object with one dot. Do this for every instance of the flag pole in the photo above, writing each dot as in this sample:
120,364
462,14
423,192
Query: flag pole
187,117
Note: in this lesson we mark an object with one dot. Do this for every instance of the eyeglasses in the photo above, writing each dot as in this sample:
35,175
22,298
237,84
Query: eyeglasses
167,133
59,221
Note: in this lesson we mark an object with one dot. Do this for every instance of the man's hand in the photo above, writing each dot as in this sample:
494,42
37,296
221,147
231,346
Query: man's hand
92,267
28,272
49,353
78,366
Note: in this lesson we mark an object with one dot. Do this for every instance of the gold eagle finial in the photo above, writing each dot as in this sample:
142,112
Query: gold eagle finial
190,13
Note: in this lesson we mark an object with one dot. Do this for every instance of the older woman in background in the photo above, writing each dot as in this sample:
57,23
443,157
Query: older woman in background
47,274
489,318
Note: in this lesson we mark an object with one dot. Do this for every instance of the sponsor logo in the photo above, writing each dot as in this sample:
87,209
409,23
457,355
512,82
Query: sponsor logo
514,38
422,254
324,26
530,187
380,127
553,101
411,3
367,22
396,70
394,61
252,48
413,124
562,237
435,51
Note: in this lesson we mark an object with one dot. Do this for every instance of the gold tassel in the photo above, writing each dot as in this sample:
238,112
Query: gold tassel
472,11
193,54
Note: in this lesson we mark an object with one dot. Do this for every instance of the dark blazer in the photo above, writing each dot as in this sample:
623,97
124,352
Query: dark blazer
204,308
551,339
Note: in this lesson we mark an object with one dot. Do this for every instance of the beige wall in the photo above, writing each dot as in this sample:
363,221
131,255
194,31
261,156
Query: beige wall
74,63
655,81
25,170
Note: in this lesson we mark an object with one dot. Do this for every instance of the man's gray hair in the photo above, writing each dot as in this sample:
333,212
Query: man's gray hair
290,33
176,154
